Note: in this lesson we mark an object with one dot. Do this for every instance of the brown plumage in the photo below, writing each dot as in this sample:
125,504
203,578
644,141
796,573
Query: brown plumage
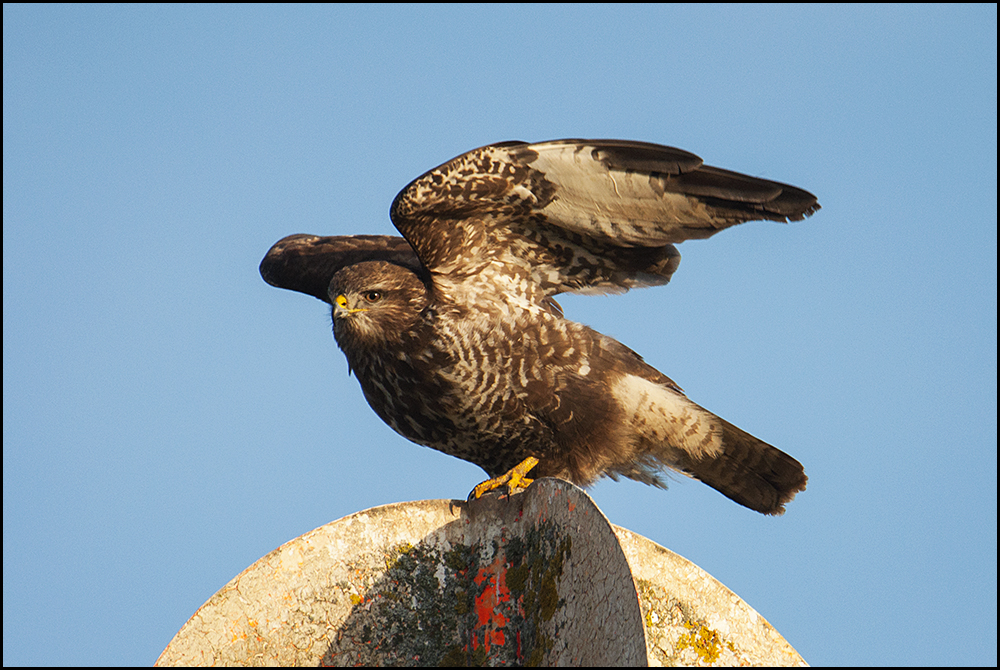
457,341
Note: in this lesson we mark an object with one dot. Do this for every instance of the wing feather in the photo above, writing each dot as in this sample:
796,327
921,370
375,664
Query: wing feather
306,263
580,215
569,215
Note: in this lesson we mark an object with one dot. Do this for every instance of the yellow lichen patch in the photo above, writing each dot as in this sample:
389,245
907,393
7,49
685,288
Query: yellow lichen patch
707,643
397,551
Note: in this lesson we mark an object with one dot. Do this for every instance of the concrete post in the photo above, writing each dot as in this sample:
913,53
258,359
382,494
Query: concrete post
537,578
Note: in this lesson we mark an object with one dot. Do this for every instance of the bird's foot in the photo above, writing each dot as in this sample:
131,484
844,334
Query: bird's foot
514,479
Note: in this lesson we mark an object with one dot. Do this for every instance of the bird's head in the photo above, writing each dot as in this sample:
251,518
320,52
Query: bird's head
375,303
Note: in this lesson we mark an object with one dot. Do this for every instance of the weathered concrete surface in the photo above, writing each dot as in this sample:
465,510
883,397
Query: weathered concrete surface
538,578
693,620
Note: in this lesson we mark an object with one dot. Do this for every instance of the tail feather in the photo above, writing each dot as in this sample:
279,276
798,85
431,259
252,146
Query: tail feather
665,429
750,472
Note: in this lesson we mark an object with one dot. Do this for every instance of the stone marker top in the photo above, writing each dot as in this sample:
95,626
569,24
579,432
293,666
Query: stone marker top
537,578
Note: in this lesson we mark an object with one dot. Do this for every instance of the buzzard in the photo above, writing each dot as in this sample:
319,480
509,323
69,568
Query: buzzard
457,341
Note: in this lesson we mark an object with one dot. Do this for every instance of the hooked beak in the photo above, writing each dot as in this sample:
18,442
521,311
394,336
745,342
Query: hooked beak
341,306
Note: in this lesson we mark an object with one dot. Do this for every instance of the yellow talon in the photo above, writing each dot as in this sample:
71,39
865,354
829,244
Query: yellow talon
514,479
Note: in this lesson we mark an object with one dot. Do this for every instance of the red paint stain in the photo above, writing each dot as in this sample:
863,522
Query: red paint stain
489,604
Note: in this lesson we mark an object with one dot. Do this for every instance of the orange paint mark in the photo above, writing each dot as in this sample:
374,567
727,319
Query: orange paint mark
488,604
485,602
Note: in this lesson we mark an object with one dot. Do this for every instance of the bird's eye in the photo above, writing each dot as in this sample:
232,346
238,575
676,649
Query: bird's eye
373,296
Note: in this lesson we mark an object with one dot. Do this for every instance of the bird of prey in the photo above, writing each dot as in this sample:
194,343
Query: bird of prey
457,341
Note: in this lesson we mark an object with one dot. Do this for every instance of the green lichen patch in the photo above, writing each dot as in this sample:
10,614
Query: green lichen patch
467,605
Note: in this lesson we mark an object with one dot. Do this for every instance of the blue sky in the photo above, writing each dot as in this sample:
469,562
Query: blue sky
169,418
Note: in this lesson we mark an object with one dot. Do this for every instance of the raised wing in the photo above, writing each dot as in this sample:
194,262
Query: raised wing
579,215
306,263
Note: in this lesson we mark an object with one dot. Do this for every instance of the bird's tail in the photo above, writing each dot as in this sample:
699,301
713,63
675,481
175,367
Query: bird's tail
669,430
749,471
